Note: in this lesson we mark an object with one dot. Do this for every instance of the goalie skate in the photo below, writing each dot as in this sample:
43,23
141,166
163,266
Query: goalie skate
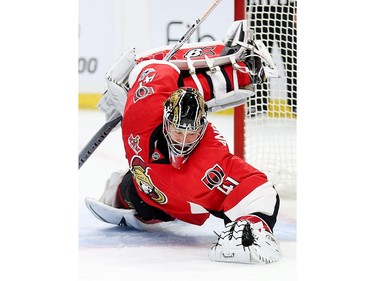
121,217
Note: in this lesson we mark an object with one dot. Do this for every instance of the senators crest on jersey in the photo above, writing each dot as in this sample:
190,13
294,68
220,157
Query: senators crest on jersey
213,177
216,178
139,170
142,92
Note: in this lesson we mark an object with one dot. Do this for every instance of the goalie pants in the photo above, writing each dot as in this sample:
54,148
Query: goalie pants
129,197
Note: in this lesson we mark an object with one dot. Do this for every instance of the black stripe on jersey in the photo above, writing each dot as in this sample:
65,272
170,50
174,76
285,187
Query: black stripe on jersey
209,81
180,81
203,71
227,80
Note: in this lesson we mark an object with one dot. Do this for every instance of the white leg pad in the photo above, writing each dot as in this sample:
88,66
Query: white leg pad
121,217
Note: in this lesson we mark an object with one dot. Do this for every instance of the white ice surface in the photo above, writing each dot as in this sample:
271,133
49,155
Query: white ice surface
108,252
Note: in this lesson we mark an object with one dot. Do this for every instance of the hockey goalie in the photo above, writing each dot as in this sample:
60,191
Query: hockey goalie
180,167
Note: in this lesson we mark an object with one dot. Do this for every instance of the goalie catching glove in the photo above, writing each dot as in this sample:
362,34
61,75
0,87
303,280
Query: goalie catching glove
244,241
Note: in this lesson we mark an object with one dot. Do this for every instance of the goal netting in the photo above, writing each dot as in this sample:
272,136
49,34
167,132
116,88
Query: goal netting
270,116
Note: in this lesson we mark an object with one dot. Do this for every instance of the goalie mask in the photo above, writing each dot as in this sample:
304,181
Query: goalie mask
184,123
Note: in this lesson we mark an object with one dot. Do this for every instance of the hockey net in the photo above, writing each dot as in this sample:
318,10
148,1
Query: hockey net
268,140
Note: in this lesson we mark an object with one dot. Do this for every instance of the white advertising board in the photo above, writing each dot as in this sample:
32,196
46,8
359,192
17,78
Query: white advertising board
108,27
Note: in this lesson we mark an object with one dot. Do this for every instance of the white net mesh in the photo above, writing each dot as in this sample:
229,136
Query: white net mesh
271,115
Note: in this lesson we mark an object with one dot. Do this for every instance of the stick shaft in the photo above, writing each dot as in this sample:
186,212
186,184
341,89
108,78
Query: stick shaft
97,139
191,30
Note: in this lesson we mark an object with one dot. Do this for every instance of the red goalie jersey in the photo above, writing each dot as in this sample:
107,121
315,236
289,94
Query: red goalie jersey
212,180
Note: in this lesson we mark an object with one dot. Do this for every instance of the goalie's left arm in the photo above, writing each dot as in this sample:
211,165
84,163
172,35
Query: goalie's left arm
250,213
248,237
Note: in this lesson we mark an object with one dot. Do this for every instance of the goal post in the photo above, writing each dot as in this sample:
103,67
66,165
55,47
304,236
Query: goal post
239,111
265,128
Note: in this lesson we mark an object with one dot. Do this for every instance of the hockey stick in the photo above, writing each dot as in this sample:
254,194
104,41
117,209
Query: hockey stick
97,139
104,131
191,30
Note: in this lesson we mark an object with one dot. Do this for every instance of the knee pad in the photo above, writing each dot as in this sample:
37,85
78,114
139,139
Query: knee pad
129,194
